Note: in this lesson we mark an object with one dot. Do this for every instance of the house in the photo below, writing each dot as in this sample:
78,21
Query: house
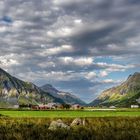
51,105
34,107
112,107
42,107
76,106
134,106
16,106
45,106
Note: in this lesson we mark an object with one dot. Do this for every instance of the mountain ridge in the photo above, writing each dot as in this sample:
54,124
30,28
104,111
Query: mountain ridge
65,96
14,91
123,95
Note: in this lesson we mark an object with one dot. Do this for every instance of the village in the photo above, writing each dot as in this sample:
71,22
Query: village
51,106
57,106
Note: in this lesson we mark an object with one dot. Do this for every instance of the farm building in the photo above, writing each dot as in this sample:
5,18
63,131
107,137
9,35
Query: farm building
16,106
112,107
76,106
45,106
134,106
51,105
34,107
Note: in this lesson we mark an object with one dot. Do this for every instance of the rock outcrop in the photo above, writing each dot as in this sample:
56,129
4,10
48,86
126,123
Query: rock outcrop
58,124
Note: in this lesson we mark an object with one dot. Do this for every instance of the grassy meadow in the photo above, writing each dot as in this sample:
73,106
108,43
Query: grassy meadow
114,128
71,113
119,124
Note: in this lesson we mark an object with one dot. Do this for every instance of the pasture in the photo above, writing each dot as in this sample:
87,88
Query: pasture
97,128
99,124
71,113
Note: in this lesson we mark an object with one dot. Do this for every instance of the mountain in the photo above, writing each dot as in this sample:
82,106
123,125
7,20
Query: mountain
124,95
70,98
17,92
49,88
65,96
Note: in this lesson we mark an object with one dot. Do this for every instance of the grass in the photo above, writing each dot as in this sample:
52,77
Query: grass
114,128
70,113
119,124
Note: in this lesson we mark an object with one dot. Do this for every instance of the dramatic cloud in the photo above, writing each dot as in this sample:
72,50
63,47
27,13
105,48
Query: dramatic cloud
76,45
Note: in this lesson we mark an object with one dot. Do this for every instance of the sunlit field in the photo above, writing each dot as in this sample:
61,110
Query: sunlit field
71,113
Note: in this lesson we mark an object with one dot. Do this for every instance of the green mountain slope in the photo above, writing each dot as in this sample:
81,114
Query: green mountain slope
17,92
123,95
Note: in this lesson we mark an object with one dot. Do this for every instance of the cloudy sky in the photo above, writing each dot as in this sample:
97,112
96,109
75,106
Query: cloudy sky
80,46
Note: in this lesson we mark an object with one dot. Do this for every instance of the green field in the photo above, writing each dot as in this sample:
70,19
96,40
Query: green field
100,128
117,124
70,113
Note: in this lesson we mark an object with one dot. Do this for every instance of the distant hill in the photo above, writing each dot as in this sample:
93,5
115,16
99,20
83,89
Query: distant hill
65,96
123,95
17,92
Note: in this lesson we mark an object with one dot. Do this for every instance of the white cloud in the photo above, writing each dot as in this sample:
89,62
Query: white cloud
69,2
3,29
46,64
103,73
62,32
108,81
64,2
80,61
78,21
8,60
57,50
51,76
111,81
114,67
91,75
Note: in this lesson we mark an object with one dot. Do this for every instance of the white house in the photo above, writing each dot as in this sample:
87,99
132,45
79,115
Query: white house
51,105
75,106
134,106
16,106
112,107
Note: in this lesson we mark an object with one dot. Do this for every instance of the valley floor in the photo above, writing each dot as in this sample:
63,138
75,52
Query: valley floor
72,113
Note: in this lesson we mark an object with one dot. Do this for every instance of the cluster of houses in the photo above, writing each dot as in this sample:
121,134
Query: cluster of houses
66,106
55,106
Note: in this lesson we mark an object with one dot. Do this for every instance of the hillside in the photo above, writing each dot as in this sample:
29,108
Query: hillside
123,95
17,92
65,96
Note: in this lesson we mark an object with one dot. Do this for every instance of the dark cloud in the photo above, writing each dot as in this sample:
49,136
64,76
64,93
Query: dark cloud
51,40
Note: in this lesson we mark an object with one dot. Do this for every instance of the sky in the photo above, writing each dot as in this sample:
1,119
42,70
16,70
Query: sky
79,46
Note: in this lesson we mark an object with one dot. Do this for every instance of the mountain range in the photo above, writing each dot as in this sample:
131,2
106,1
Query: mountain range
14,91
67,97
124,95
